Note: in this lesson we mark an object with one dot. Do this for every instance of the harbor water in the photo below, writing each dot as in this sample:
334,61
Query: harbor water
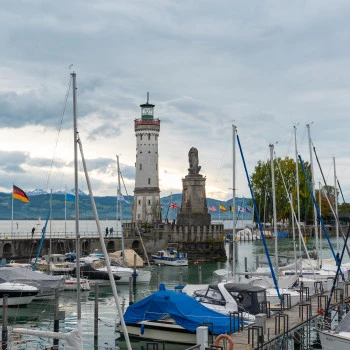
39,314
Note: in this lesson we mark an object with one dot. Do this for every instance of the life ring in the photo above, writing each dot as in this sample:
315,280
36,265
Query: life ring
228,339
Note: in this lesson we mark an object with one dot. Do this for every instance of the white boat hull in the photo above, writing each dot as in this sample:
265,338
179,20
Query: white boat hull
71,284
161,330
17,293
141,277
170,261
335,341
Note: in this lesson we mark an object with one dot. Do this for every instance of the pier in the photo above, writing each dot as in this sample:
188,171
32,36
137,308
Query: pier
293,325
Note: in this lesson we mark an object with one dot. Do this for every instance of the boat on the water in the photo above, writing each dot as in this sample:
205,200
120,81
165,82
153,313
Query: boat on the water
339,338
46,284
170,256
17,293
172,316
54,264
97,263
72,283
96,272
230,297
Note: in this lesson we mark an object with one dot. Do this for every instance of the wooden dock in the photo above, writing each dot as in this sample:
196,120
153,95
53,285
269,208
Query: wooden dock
288,320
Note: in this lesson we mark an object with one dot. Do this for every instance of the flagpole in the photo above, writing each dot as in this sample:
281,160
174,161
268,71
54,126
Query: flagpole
171,196
65,211
120,210
12,214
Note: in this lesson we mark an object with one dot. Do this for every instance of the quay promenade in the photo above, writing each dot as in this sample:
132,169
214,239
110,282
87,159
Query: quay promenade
202,243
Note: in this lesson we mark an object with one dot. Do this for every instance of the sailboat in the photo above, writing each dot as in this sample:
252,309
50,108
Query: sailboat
74,338
119,266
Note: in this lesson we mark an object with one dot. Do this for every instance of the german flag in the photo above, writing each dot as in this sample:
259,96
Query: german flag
20,194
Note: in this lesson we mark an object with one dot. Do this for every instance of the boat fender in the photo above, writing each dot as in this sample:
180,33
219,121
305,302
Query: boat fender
221,337
142,329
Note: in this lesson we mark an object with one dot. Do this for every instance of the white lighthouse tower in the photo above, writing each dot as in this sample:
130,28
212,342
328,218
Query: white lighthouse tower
146,193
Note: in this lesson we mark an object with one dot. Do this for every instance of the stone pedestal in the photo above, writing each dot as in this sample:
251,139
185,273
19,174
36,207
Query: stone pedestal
194,210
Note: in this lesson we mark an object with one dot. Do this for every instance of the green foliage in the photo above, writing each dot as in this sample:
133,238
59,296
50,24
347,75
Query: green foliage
285,184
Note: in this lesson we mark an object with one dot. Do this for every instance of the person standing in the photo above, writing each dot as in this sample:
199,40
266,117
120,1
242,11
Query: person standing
33,230
106,232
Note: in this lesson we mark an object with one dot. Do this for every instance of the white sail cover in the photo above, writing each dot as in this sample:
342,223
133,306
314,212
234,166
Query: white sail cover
73,338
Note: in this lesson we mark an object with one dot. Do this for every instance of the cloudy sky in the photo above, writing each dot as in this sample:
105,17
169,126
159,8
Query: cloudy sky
264,66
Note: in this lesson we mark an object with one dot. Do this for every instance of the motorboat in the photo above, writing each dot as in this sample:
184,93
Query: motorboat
55,264
95,271
46,284
170,256
17,293
124,273
172,316
71,283
339,338
229,298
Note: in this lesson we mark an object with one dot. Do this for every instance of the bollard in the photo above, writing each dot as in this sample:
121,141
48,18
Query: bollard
96,314
4,334
135,272
202,337
130,290
260,321
56,321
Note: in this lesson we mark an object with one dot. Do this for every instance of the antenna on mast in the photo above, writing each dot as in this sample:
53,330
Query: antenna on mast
147,97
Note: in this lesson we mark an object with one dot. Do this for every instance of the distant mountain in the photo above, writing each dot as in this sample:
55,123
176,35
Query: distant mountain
39,191
106,206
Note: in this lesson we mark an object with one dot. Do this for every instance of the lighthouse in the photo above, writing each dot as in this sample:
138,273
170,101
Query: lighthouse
146,193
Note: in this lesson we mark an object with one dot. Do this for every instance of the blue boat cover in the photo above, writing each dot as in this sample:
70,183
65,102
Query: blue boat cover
186,311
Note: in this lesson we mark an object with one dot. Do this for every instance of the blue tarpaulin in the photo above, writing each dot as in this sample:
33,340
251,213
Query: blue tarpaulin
183,309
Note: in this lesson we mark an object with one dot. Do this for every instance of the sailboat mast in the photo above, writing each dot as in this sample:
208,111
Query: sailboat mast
50,241
120,210
313,193
76,189
234,243
336,205
274,205
297,179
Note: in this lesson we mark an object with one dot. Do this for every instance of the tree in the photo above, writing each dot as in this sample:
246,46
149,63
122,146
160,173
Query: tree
285,176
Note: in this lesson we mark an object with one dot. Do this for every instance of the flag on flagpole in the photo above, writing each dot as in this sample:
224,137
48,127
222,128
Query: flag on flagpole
222,208
241,209
20,194
173,205
248,210
212,208
120,197
231,208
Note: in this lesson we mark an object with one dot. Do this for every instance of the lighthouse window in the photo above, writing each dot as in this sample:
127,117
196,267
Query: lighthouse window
149,202
149,136
140,137
149,180
139,201
140,166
